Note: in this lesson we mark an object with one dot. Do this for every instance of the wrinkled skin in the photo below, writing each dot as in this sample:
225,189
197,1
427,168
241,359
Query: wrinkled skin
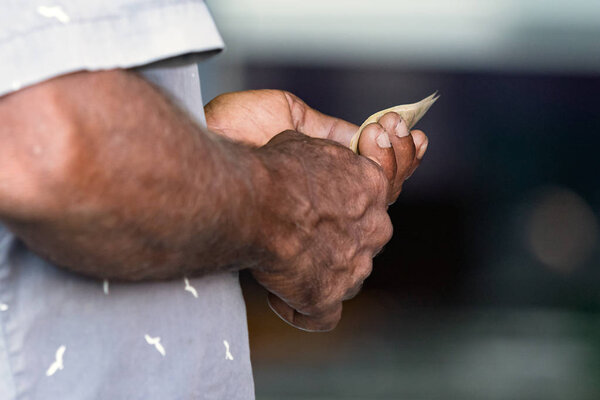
324,251
129,188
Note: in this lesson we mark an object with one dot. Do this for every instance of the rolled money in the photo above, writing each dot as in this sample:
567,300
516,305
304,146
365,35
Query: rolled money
410,113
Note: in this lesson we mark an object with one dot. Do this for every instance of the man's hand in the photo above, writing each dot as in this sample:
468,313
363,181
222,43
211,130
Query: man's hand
323,221
255,116
322,251
100,174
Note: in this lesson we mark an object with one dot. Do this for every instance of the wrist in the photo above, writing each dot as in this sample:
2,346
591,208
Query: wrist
283,205
236,184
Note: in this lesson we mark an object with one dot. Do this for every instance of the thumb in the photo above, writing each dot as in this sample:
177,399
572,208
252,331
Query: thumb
313,123
375,144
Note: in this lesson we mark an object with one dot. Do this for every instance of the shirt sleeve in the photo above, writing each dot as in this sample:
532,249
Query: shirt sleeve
39,42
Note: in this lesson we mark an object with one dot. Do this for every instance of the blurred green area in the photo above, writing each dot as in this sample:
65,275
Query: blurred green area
385,350
490,288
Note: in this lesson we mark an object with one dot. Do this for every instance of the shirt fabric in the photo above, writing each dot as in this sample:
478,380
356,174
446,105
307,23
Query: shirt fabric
40,39
67,337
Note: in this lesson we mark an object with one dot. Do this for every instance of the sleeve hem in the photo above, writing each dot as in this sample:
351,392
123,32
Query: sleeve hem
125,41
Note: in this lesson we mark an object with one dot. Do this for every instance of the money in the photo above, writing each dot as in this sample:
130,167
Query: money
410,113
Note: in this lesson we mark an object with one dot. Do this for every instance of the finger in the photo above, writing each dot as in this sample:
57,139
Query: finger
404,148
323,323
362,270
421,141
353,292
375,144
320,125
421,144
316,124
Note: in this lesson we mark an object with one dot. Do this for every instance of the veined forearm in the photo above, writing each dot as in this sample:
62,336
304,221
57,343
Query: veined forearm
141,192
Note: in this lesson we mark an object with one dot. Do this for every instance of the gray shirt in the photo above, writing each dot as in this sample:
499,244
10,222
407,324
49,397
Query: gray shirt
63,336
40,39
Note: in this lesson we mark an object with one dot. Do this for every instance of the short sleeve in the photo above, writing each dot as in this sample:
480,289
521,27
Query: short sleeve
39,42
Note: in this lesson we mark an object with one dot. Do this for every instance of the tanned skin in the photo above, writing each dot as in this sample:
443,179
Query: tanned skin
102,175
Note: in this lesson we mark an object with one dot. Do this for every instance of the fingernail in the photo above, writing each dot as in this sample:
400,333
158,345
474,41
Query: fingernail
422,150
383,141
402,129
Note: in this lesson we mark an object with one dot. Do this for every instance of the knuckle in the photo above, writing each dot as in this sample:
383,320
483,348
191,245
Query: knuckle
352,292
289,249
337,151
291,134
336,292
284,137
378,228
291,97
317,300
297,107
331,151
363,270
386,229
350,250
361,273
379,183
358,204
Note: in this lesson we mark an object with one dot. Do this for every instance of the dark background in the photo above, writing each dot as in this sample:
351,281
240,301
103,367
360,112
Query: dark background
490,287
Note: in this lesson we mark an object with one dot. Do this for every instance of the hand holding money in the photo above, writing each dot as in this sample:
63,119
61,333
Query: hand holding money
410,113
386,139
327,207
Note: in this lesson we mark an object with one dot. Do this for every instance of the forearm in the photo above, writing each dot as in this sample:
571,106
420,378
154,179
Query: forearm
110,180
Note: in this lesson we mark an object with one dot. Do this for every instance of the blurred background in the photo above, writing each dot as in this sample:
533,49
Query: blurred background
490,287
